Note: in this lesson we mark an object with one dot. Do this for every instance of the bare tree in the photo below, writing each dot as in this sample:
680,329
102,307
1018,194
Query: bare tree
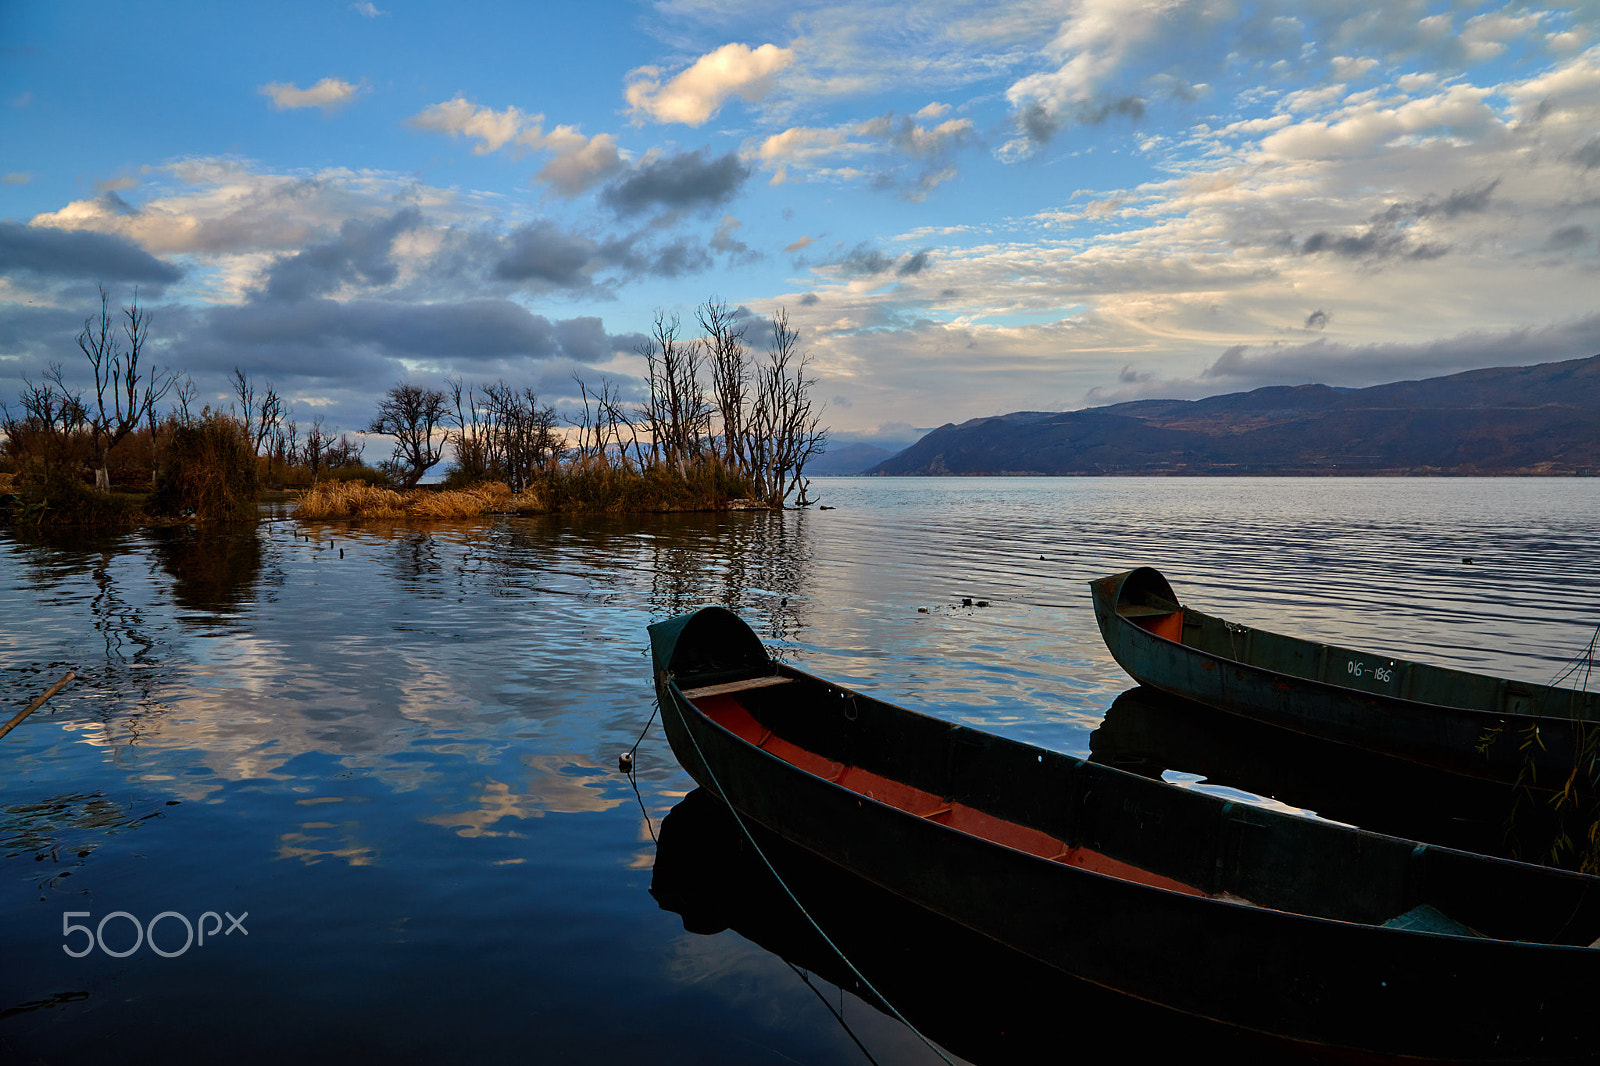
611,419
123,395
411,414
185,393
504,433
286,443
343,452
602,434
677,413
587,424
245,392
473,438
730,375
52,425
524,442
263,413
269,419
786,427
315,449
770,423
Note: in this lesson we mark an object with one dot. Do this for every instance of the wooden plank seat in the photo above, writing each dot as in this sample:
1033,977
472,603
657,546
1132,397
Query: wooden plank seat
736,686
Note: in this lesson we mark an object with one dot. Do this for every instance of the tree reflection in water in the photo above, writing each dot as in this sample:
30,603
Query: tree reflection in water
215,571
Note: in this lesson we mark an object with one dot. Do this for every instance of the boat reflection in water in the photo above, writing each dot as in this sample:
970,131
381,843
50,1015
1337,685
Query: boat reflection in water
1159,735
964,991
1156,734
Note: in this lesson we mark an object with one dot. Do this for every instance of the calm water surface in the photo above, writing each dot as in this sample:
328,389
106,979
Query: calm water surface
395,746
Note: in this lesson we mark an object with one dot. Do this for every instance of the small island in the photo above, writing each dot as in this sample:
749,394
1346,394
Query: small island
718,428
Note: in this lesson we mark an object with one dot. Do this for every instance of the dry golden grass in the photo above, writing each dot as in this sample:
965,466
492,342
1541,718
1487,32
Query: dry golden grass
355,499
491,497
350,499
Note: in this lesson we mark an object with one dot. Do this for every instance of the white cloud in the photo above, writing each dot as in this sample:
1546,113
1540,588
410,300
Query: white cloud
1359,130
1566,43
367,8
214,208
799,144
580,162
1349,68
926,140
328,94
1091,45
693,96
461,118
1111,57
17,177
1448,228
1485,36
813,151
1571,86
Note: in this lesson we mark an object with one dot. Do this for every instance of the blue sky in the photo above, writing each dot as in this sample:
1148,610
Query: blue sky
966,208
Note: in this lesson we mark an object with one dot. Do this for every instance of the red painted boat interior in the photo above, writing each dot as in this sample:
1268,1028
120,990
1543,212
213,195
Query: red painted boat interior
1169,625
727,711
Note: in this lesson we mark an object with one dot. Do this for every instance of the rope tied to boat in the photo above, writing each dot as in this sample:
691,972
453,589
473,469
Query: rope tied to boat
628,766
801,907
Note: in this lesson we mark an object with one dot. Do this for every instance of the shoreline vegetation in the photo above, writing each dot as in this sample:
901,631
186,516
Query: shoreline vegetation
568,492
716,428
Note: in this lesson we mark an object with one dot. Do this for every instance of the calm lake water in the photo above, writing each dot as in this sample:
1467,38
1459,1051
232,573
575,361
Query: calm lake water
390,751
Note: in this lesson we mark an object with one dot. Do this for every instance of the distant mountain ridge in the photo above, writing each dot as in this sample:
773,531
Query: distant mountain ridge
1542,419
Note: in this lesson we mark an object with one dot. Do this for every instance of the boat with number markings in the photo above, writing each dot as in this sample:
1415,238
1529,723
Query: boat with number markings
1302,930
1513,732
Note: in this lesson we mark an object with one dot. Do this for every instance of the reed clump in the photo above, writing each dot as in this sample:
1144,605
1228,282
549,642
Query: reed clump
577,487
350,499
356,499
491,497
209,469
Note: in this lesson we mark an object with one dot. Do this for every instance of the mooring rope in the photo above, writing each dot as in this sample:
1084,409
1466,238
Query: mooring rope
838,1015
1584,660
632,764
870,987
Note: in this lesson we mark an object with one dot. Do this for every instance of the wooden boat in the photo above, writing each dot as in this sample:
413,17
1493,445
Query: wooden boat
1309,931
1508,731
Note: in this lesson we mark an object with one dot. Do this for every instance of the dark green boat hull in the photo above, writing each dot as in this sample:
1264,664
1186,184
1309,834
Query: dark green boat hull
1308,960
970,994
1472,724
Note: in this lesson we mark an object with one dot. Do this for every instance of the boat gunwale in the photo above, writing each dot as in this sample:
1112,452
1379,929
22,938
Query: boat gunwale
1362,694
1200,898
1106,606
921,820
1359,963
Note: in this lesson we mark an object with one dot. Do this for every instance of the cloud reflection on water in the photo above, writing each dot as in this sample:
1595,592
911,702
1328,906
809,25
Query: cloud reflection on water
403,758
